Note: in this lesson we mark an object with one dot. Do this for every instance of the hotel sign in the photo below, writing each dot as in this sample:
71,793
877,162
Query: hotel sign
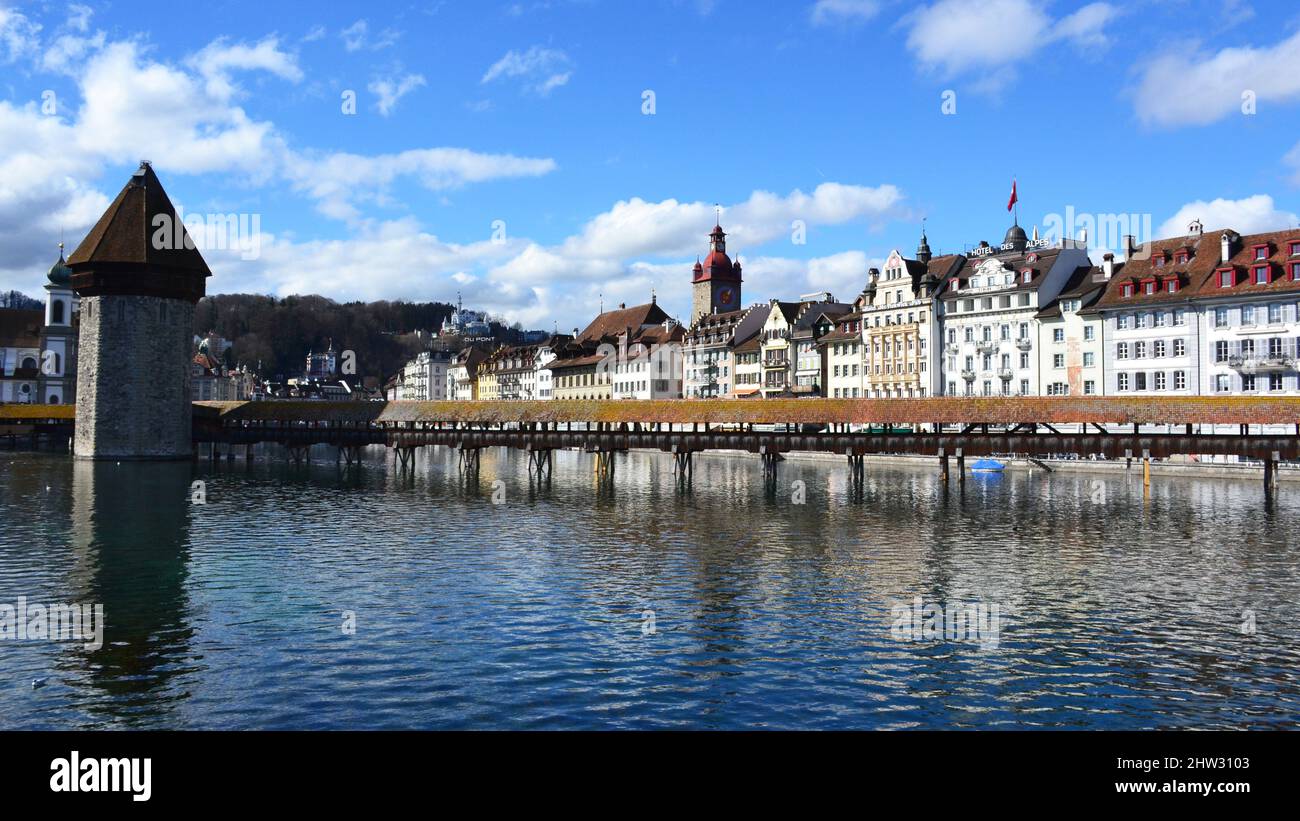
989,250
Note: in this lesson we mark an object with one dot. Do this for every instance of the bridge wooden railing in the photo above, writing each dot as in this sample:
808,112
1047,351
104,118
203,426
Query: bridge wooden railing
1200,410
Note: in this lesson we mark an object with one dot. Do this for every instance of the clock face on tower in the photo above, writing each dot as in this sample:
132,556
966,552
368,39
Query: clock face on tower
725,298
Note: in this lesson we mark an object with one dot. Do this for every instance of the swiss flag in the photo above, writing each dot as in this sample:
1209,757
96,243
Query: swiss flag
1014,199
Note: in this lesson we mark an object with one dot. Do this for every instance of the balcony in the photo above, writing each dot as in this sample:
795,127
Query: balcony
1005,374
1024,343
986,346
968,375
952,348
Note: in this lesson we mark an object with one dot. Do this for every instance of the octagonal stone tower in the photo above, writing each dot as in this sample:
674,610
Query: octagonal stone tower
138,276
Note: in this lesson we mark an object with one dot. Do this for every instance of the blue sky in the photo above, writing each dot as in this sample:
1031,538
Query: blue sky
504,149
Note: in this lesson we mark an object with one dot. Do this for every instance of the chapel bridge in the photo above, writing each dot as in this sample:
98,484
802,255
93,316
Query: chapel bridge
956,427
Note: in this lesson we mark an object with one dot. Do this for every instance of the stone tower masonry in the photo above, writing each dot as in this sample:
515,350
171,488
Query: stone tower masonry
138,277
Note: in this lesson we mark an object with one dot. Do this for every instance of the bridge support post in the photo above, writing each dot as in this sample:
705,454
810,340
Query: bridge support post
770,459
961,466
1270,472
1128,460
1146,471
248,453
683,465
857,471
604,467
539,462
943,465
469,459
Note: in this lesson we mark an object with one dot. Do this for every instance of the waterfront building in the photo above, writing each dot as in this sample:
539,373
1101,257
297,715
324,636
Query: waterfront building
989,312
58,343
1249,307
715,283
584,368
649,363
137,297
487,376
424,378
580,372
1070,336
777,353
780,353
546,353
842,348
747,359
708,357
462,374
810,356
901,323
514,370
1152,330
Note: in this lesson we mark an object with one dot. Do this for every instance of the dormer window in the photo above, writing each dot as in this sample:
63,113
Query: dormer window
1261,252
1226,278
1127,289
1295,271
1159,261
1148,286
1171,286
1180,258
1295,249
1026,275
1262,276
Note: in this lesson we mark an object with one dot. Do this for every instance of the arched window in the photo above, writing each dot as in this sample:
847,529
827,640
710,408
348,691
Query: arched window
54,399
29,363
56,313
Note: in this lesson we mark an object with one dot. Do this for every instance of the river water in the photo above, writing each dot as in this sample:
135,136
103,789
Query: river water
315,597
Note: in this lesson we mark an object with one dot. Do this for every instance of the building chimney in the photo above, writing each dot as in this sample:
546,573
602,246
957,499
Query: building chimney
1108,265
1130,246
1225,246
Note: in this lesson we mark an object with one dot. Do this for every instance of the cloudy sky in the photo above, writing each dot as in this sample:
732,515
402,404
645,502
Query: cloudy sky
538,156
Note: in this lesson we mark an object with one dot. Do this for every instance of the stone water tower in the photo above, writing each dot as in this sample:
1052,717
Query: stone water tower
138,277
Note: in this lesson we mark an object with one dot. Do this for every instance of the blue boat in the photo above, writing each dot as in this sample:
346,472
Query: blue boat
987,466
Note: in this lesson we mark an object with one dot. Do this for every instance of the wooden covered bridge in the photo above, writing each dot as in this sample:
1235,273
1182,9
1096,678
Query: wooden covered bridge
1263,429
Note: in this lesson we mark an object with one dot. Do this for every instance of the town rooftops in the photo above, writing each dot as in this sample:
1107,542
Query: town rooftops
612,323
1258,264
1164,272
140,247
1086,285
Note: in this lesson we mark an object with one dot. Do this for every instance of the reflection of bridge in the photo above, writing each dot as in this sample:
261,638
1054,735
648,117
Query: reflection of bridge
955,427
1139,428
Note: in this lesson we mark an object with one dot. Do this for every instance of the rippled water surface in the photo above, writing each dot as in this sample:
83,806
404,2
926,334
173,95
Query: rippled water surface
498,603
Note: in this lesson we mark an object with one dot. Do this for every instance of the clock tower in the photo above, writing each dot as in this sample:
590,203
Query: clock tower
716,282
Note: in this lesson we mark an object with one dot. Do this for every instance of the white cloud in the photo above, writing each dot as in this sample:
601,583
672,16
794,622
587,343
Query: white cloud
357,37
1292,159
339,180
79,17
1186,87
217,59
389,90
828,12
955,37
538,70
19,37
1249,215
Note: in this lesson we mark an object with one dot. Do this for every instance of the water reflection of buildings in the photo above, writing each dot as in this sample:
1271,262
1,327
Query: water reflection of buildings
130,534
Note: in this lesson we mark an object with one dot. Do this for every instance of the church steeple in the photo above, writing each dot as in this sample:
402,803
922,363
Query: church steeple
923,250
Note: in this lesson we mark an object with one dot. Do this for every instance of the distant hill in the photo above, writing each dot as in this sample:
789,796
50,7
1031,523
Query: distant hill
278,332
19,300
